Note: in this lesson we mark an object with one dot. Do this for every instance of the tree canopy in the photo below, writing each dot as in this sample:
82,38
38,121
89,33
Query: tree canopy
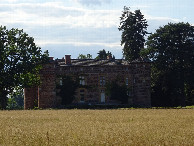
134,28
102,54
171,48
20,61
82,56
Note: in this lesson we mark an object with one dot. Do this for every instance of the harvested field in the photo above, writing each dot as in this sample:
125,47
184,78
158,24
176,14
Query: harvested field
97,127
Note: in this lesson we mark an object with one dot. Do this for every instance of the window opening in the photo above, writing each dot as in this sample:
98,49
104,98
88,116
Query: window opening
102,81
127,81
82,80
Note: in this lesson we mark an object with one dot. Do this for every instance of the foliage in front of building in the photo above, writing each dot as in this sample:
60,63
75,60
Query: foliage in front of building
67,89
171,49
117,92
16,100
20,61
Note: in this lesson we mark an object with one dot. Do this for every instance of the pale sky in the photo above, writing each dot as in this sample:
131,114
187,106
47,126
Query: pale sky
86,26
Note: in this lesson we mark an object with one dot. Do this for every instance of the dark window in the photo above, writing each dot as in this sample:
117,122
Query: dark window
102,81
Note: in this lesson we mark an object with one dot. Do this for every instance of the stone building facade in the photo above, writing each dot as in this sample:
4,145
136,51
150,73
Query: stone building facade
95,74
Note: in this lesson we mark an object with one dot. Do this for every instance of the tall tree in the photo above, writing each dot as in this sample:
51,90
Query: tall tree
134,28
171,49
20,61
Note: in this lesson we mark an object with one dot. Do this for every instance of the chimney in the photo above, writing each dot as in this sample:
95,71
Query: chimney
68,59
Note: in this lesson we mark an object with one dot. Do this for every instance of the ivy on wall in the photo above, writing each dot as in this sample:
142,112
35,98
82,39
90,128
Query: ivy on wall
67,89
117,92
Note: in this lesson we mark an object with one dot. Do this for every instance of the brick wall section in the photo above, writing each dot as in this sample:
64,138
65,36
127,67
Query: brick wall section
30,97
141,85
92,78
47,89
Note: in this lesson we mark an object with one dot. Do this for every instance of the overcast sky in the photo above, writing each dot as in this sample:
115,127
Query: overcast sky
86,26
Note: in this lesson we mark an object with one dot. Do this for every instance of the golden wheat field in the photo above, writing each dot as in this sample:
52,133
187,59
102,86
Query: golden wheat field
97,127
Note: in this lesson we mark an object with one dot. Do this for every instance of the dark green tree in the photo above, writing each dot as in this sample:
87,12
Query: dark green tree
109,53
89,56
16,99
134,28
117,92
102,54
82,56
171,48
20,61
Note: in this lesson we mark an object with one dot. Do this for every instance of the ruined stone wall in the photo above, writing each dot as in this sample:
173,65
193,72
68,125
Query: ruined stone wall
92,79
30,97
43,96
137,76
141,84
47,89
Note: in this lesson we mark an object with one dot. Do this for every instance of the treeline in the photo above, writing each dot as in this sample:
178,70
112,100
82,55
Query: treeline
171,51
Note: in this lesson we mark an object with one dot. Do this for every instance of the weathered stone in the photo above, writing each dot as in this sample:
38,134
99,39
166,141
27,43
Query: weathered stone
96,73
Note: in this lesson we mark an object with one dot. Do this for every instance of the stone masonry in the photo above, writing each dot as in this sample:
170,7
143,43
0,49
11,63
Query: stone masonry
95,74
